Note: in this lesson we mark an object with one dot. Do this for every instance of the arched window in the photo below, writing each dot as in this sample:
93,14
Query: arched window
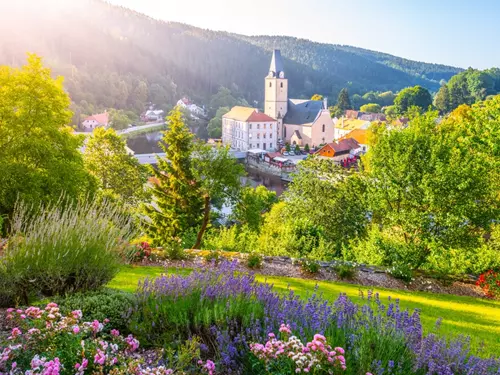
281,84
270,84
323,128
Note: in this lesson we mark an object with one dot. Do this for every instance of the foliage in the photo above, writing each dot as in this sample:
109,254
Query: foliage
371,108
120,119
345,271
254,260
58,248
490,283
236,238
118,173
306,148
215,124
317,97
177,201
252,204
330,198
139,252
335,111
383,99
432,190
416,96
218,175
287,147
224,98
99,305
309,266
401,271
343,101
45,342
213,257
297,149
39,155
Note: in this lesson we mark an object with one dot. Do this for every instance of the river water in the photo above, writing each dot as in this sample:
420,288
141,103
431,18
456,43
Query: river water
148,144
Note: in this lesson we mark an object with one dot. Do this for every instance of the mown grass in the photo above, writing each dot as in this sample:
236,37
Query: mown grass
477,318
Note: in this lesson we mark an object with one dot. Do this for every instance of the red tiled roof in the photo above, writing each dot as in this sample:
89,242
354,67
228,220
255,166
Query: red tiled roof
101,118
260,117
343,145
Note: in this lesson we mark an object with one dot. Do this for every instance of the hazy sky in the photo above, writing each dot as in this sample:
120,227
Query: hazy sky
453,32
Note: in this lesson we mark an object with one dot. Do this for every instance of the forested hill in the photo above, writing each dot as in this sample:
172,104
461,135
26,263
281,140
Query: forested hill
114,57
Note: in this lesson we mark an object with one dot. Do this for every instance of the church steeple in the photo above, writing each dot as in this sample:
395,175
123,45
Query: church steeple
276,69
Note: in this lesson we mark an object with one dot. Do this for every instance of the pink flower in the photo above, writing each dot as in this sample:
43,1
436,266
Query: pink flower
340,350
10,309
115,332
76,330
77,314
106,321
15,332
100,357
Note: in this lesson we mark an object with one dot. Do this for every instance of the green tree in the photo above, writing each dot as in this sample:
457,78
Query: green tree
386,98
287,147
215,124
317,97
217,174
335,111
118,172
306,148
416,96
224,98
329,198
343,101
252,204
39,155
119,119
177,203
433,187
371,108
442,100
139,96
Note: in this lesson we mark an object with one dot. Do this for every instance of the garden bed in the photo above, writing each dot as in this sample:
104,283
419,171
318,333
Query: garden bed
364,275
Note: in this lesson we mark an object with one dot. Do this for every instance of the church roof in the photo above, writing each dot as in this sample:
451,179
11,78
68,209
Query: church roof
302,112
276,63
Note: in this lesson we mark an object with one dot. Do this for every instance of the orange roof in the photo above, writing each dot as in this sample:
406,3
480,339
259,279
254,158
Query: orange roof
101,118
360,135
259,117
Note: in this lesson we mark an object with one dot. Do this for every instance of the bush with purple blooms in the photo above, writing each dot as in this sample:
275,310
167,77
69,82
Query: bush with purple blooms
229,311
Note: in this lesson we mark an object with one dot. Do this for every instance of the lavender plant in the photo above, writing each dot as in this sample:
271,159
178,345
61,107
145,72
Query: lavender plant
230,310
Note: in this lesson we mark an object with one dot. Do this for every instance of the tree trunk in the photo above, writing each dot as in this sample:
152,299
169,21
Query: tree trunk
204,224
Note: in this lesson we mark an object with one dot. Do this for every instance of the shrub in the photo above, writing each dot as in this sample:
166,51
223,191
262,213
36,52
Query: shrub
345,271
309,266
139,252
236,238
46,342
254,260
99,305
490,283
401,272
213,257
64,248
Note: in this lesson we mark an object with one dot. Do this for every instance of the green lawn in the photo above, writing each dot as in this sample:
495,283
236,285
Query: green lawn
477,318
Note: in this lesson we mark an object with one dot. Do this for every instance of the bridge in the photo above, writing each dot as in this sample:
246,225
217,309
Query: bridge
151,158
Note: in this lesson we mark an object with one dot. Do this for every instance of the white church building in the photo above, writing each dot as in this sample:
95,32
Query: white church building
298,121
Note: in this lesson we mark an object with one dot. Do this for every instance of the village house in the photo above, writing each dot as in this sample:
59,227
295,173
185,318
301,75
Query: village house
340,150
95,121
191,107
245,128
360,136
153,115
346,125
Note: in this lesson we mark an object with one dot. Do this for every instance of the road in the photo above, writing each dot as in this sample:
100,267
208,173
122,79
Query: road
133,129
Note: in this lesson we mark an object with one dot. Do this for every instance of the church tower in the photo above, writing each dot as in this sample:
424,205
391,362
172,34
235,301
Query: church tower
276,92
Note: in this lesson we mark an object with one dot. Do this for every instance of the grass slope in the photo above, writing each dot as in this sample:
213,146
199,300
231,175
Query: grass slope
477,318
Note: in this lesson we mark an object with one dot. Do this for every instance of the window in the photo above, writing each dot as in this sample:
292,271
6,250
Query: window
264,136
281,84
258,126
270,126
270,145
264,126
258,145
323,128
258,135
270,84
284,131
270,135
250,126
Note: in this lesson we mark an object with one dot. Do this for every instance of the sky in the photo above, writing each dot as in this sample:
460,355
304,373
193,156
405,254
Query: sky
460,33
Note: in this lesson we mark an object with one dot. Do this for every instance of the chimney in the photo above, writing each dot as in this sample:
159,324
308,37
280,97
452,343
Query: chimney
325,103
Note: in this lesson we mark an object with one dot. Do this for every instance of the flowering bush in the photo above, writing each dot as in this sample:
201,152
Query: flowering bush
139,252
45,342
490,283
291,356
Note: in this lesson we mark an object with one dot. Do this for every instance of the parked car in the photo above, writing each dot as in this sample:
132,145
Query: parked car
286,153
291,153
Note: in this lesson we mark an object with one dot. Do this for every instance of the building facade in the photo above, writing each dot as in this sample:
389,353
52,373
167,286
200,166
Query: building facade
96,121
245,128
